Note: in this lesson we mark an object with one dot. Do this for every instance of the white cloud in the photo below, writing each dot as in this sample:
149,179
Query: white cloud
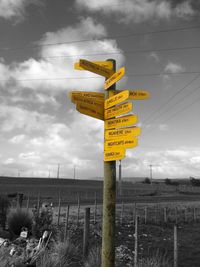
13,118
154,56
163,127
174,67
15,9
56,62
139,10
17,139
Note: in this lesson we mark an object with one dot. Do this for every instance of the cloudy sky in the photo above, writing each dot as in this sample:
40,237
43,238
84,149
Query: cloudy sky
158,42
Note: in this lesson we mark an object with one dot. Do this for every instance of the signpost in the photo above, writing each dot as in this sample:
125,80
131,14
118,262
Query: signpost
123,142
117,133
114,78
118,110
96,68
121,122
116,99
114,155
105,64
108,107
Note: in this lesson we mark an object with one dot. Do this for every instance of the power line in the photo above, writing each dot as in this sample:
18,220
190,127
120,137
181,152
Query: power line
94,77
102,38
171,98
127,52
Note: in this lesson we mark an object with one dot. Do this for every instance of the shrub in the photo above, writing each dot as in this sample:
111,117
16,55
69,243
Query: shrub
94,258
42,221
18,219
4,205
155,259
62,254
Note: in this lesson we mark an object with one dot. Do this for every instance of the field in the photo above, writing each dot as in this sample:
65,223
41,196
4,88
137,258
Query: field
159,208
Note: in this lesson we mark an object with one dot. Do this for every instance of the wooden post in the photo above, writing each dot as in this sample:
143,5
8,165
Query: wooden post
136,242
78,210
145,215
165,215
109,203
38,203
194,214
66,223
59,208
134,212
95,207
86,232
176,215
122,212
175,247
28,202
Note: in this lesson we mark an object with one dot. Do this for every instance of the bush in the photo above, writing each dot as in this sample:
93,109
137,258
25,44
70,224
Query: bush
62,254
155,259
18,219
94,258
42,221
4,205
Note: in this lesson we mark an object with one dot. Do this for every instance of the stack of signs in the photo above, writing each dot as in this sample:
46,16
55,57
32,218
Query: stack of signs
118,139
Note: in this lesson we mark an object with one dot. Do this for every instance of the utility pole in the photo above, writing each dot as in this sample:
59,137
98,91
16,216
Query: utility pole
150,166
109,202
58,171
74,172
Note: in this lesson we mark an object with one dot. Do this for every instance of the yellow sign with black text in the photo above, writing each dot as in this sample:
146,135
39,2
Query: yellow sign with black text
118,110
90,110
98,69
104,64
116,99
116,154
135,94
114,78
121,122
124,142
118,133
97,95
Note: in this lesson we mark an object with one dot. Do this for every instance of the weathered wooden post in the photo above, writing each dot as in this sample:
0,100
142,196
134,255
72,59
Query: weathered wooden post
86,232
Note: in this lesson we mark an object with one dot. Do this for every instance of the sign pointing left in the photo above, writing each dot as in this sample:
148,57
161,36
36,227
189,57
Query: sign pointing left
98,69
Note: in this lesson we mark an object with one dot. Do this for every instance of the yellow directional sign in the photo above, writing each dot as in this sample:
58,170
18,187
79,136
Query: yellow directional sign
98,69
114,154
105,64
121,122
118,133
117,110
114,78
124,142
90,101
116,99
90,110
87,94
136,94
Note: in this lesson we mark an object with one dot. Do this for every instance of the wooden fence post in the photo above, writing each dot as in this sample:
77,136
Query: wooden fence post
59,208
176,215
122,212
95,207
66,224
38,203
136,242
145,214
78,209
28,202
194,214
86,232
175,247
134,212
165,215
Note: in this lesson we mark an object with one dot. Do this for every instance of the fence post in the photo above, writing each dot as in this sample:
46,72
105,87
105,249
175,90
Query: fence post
38,203
185,214
175,247
194,214
78,209
28,202
165,215
122,212
136,242
176,215
86,232
95,207
134,212
145,215
66,223
59,207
